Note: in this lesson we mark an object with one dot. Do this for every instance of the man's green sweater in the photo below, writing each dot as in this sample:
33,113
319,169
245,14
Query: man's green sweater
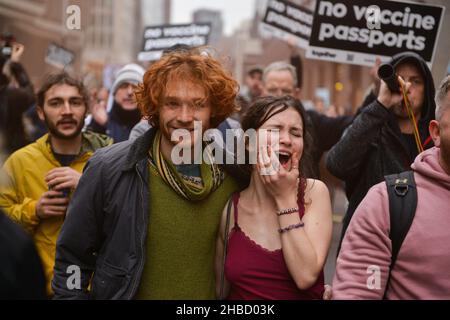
181,242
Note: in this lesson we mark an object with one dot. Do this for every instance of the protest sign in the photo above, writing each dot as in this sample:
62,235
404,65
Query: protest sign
360,31
159,38
58,56
285,21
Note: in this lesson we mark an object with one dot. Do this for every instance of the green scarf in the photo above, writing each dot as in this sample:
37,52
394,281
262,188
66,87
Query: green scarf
211,174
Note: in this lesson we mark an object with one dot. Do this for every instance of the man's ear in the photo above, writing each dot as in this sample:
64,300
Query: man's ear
40,112
264,92
298,93
433,128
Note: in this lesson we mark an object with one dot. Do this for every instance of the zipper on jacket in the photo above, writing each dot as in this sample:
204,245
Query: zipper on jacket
141,247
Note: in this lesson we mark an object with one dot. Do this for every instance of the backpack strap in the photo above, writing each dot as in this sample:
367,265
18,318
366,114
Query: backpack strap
402,193
225,248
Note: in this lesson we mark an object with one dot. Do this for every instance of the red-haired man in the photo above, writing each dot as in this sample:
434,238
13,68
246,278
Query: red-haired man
140,226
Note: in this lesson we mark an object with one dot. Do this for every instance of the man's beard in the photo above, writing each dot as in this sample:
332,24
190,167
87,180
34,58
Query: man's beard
193,144
53,128
400,110
168,136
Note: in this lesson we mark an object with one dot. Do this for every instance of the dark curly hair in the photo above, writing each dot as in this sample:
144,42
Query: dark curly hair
265,108
195,65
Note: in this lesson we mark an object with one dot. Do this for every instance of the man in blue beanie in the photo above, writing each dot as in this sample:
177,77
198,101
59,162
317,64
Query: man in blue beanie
122,113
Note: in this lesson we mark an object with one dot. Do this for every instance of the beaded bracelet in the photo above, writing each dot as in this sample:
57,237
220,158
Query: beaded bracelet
292,226
287,211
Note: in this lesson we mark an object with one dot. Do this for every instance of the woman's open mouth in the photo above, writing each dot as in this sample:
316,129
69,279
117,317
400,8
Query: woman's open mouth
284,158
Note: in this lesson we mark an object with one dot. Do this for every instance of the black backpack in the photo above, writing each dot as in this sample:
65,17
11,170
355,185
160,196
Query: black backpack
402,193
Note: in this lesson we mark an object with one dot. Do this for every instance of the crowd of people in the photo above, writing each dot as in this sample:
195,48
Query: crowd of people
93,205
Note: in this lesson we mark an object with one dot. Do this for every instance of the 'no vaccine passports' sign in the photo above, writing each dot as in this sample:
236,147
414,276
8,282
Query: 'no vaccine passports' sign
359,31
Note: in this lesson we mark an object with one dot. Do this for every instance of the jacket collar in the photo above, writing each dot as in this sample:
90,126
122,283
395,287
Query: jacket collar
89,143
139,149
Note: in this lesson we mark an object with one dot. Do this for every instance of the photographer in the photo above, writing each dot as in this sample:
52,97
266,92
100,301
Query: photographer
16,94
381,141
371,265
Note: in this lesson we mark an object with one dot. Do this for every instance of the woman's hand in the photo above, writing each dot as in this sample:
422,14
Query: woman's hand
282,184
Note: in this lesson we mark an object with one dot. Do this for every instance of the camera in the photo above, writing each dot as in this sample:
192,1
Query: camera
8,40
386,72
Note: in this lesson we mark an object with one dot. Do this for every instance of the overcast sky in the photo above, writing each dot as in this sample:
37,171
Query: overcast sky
233,11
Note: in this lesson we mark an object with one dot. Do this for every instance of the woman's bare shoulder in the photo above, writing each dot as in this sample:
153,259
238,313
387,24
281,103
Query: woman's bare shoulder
316,189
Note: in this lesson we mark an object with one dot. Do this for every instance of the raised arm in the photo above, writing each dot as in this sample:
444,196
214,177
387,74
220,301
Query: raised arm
305,249
347,156
305,246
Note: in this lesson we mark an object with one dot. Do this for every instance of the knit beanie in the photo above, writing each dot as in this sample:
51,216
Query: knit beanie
130,73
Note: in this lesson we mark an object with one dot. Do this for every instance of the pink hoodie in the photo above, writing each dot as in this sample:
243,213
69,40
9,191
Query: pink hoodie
422,269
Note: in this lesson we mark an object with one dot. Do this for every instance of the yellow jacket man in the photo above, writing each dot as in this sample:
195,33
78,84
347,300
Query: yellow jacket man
42,175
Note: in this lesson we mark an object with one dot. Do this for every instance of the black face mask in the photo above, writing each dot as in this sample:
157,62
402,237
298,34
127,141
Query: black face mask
126,117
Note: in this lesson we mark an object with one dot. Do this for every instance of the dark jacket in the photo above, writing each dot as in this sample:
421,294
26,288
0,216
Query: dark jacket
13,104
120,123
21,273
107,218
325,133
106,225
39,127
373,147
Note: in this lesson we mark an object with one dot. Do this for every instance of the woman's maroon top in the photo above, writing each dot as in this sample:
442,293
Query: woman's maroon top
255,272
